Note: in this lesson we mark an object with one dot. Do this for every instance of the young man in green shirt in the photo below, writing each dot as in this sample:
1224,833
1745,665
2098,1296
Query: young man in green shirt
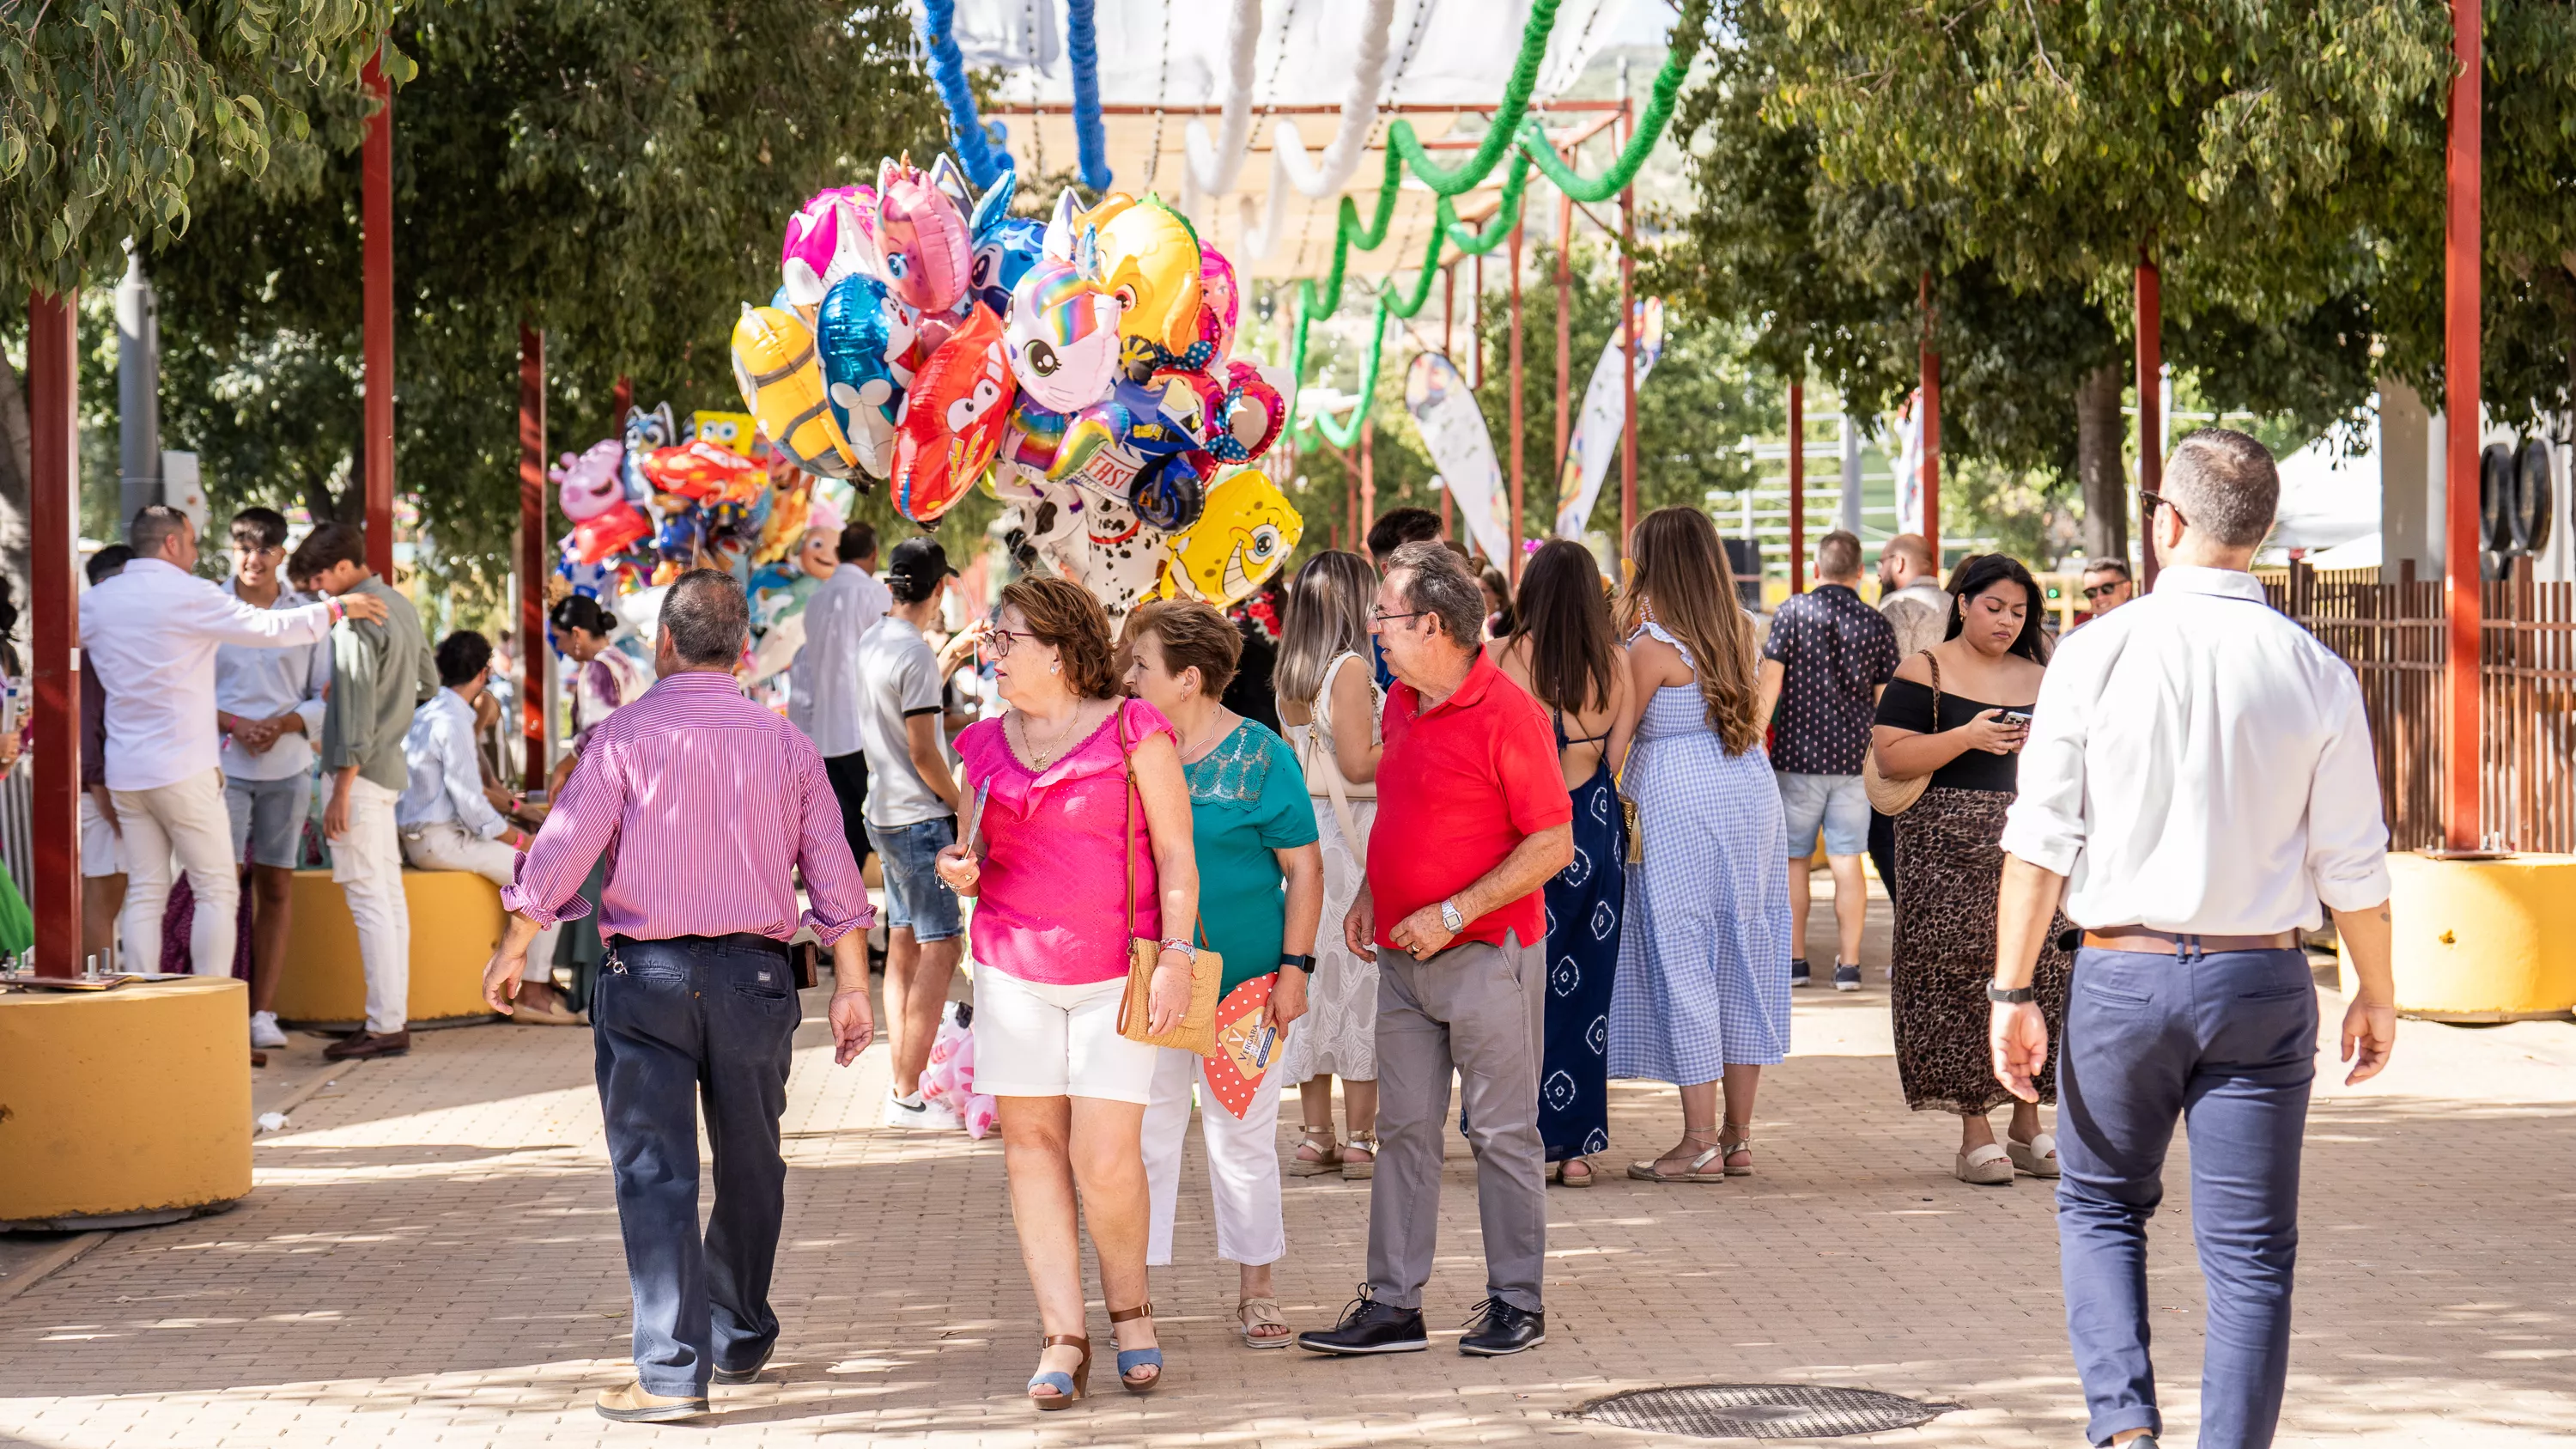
380,674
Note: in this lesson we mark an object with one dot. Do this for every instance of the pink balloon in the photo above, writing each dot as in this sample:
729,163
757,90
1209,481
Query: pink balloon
1220,303
828,238
922,236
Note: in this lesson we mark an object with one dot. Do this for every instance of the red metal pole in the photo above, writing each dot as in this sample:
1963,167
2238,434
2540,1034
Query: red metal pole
2151,432
1564,337
1797,487
376,170
2461,825
1628,364
53,508
1368,473
532,553
1448,328
621,398
1512,565
1931,364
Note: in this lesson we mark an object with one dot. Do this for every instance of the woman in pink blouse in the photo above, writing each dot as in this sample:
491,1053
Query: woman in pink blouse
1060,834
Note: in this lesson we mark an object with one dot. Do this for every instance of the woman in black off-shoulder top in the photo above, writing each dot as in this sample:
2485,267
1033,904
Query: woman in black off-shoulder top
1985,675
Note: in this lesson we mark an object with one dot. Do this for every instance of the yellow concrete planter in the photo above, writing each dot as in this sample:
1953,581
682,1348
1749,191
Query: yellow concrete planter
456,924
2483,940
125,1107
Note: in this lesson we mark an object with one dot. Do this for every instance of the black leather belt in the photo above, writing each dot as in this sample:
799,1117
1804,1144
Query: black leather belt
735,941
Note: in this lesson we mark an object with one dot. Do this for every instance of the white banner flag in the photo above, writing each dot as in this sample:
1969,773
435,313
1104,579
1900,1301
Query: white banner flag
1454,430
1597,427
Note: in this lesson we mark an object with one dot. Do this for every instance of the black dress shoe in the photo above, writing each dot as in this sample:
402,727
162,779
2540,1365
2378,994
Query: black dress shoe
368,1044
1369,1326
749,1375
1501,1328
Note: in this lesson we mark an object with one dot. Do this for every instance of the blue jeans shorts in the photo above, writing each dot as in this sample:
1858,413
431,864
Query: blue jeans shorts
1834,804
915,896
268,817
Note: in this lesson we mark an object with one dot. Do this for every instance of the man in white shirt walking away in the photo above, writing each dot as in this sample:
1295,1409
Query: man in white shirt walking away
2197,779
380,672
825,697
912,813
269,705
151,633
450,820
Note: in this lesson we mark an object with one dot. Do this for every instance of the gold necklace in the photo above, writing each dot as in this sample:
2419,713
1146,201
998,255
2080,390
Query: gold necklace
1064,738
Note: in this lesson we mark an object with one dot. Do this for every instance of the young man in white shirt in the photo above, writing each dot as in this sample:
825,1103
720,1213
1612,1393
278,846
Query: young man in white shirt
151,634
2198,778
911,815
269,705
448,819
823,683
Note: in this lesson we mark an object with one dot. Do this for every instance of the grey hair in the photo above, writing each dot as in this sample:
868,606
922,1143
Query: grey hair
706,617
2225,485
1437,583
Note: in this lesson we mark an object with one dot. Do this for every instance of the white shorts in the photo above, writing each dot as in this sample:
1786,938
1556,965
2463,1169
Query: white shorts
102,849
1036,1040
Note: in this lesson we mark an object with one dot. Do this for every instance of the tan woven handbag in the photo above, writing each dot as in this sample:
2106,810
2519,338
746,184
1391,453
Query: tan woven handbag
1895,797
1196,1030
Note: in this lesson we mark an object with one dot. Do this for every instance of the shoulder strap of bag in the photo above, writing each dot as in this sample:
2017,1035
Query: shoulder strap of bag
1934,662
1127,831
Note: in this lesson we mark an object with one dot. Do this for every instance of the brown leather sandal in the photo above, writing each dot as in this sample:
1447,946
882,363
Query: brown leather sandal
1063,1390
1132,1360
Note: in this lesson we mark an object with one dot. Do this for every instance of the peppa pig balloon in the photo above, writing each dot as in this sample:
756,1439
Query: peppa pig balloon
1063,337
589,484
953,421
921,234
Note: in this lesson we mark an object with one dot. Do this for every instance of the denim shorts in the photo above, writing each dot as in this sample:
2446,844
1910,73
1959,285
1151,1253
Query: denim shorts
268,817
915,896
1835,804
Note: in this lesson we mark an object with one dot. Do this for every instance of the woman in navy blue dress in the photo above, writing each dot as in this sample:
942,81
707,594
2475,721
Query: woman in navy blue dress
1564,650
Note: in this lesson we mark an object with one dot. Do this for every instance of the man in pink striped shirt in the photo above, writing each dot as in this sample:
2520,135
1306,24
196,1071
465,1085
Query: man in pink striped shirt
707,806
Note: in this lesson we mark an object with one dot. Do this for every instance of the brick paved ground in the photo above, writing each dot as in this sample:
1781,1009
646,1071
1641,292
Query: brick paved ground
431,1257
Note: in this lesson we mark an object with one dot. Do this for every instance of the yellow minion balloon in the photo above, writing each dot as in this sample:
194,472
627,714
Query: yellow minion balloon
1149,259
1244,536
781,377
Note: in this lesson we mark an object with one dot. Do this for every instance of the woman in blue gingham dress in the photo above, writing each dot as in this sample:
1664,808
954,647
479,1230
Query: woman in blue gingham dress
1702,989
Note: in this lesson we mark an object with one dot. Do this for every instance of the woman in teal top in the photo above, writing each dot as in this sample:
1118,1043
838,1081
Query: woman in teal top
1262,876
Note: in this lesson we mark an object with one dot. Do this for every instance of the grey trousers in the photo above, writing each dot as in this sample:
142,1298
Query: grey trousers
1477,1008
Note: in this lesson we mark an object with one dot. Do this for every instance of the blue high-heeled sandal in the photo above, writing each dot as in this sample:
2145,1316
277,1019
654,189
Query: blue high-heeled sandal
1132,1359
1067,1389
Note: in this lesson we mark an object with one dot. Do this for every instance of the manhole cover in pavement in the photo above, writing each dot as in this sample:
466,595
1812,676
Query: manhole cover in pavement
1761,1411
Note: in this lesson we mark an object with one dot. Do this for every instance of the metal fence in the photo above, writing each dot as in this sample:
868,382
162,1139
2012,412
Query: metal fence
2392,635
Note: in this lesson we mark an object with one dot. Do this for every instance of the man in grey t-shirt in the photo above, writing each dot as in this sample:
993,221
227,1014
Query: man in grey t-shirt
911,816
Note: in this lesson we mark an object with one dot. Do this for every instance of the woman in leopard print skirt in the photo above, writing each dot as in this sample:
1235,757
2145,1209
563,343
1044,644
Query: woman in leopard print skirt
1959,712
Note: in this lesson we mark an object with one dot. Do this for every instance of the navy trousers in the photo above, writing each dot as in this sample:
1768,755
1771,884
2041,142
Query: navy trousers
2227,1043
680,1024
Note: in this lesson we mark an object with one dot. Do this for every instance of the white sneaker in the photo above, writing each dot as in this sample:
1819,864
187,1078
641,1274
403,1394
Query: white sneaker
265,1034
912,1114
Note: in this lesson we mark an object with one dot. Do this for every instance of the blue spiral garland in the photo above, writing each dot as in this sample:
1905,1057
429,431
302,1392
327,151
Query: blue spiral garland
948,72
1082,45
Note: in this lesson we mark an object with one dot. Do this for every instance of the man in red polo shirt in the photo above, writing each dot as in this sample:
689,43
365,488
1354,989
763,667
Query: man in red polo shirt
1472,818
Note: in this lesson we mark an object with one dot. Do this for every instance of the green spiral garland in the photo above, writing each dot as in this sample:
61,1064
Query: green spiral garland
1514,133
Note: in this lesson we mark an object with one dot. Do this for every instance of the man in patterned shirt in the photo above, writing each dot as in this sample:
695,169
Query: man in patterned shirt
1828,656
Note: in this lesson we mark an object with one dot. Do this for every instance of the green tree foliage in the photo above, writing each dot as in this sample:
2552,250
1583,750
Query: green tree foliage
615,176
1705,397
112,110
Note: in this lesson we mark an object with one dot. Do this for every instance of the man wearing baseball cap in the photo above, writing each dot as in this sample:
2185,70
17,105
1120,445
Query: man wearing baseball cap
911,814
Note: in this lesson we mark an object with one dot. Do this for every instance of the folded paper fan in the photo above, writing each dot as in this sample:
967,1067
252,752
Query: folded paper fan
1245,1048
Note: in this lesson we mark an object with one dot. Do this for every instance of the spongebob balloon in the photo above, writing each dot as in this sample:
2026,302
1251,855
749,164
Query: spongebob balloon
1244,536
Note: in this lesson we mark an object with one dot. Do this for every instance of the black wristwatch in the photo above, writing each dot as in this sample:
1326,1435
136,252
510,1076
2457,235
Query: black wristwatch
1302,963
2010,997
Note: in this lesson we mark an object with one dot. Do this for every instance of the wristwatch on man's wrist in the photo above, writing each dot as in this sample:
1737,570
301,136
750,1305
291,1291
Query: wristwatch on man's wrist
1302,963
2010,995
1450,920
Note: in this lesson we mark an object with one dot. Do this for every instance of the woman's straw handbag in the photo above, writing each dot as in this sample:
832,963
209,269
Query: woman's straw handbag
1196,1030
1895,797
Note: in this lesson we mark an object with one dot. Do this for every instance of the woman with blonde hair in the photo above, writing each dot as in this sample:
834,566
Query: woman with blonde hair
1702,994
1329,707
1085,820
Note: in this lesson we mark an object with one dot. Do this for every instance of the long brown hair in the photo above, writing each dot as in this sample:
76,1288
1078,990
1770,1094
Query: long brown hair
1328,616
1683,584
1574,648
